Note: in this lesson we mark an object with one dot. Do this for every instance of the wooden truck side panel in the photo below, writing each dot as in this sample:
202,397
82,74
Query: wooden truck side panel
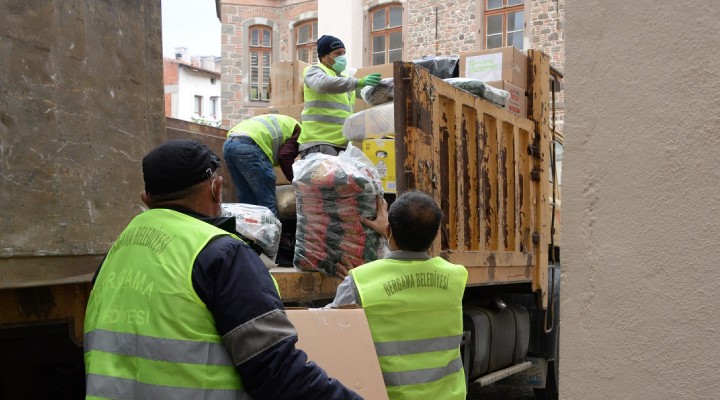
486,167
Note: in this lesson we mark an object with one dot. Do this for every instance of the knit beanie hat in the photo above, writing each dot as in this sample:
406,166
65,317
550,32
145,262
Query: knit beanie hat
328,43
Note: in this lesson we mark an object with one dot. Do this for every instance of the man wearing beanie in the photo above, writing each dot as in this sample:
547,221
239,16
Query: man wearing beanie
182,308
329,98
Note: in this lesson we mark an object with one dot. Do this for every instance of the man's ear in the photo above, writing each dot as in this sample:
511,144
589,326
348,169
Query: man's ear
388,232
145,197
217,188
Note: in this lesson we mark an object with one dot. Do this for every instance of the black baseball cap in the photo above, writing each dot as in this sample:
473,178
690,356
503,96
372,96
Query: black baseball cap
176,165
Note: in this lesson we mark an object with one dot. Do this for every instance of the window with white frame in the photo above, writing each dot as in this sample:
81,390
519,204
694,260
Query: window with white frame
305,41
260,40
214,101
386,41
504,23
197,109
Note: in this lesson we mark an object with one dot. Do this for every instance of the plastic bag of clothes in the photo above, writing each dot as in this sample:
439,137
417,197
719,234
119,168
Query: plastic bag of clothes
442,67
374,122
379,94
256,223
481,89
333,194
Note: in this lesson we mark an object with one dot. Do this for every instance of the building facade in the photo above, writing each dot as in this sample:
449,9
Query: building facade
193,88
257,33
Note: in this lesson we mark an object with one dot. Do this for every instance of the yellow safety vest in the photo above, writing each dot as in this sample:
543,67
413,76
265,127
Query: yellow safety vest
324,114
269,131
147,334
414,309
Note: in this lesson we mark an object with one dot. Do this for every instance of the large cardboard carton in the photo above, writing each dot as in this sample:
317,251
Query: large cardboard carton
503,64
292,110
385,71
518,101
360,105
381,152
339,341
255,111
286,82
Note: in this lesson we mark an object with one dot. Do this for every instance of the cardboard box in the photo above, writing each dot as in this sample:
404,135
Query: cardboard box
292,110
286,82
360,105
382,154
385,71
255,111
339,341
503,64
518,101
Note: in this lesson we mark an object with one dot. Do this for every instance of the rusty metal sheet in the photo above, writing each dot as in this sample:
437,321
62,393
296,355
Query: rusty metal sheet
473,157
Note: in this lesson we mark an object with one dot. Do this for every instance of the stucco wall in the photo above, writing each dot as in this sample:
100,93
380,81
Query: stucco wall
641,201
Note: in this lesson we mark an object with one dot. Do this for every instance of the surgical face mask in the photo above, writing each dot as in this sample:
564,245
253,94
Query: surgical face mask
340,64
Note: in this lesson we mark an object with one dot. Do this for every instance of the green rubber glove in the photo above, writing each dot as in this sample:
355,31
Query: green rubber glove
369,80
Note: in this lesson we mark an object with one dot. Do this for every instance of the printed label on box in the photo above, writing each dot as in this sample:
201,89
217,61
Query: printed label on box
486,67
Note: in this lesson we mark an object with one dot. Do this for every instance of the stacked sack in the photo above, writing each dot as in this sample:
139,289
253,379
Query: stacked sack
333,194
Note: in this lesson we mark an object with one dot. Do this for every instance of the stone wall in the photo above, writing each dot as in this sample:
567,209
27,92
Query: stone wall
440,29
432,28
234,108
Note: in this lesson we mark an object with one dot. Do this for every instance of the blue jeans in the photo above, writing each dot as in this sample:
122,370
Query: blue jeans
251,172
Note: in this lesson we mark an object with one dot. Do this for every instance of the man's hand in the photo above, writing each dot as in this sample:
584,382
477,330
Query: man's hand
343,267
370,80
380,223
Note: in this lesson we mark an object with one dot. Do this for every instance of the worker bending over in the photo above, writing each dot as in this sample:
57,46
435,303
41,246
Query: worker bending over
253,147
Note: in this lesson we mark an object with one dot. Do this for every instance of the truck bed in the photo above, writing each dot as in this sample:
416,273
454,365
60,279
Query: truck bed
485,166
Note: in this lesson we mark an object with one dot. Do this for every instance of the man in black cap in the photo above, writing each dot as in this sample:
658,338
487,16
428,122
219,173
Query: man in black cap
329,98
182,308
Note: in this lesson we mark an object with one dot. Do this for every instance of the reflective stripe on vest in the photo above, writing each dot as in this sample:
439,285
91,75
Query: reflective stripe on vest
417,346
414,309
420,376
275,133
145,285
324,114
157,349
107,387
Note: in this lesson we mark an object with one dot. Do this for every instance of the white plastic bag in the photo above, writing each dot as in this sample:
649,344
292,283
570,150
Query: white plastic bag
372,123
257,223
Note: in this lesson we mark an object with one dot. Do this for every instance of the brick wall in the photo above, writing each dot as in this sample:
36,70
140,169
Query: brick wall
547,33
454,25
170,77
234,109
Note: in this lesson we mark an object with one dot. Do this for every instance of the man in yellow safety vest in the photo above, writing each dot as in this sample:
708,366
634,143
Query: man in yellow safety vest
413,303
329,98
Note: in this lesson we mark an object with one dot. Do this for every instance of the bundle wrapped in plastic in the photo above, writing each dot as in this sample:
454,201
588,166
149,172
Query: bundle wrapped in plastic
333,194
380,93
481,89
442,67
256,223
375,122
285,202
